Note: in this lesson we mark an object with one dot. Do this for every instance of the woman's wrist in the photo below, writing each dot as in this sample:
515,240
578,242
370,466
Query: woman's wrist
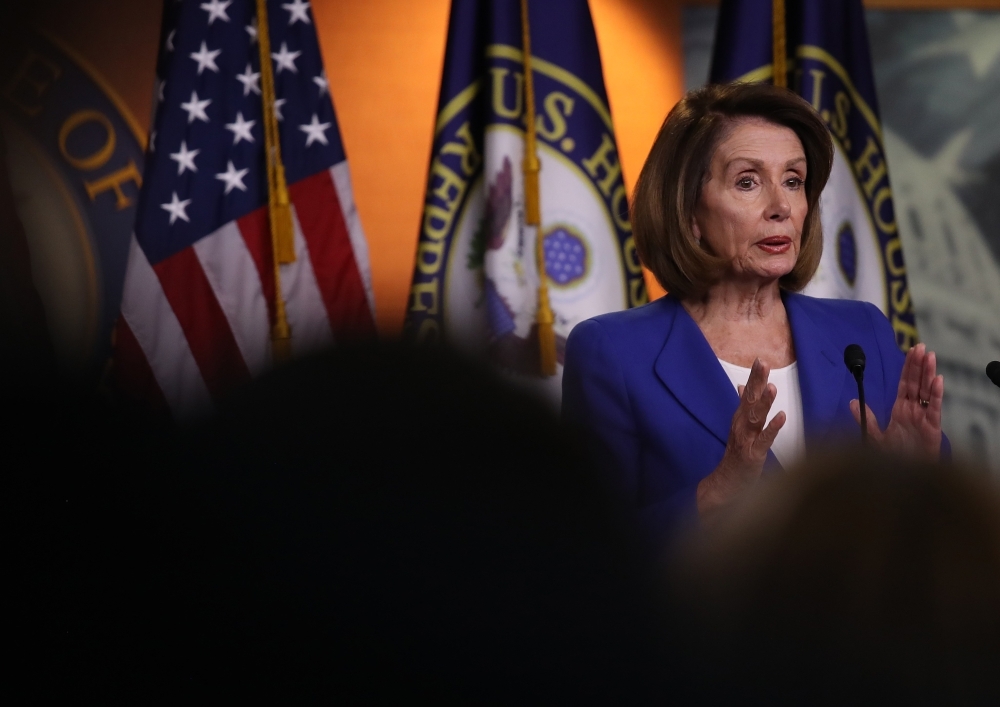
716,491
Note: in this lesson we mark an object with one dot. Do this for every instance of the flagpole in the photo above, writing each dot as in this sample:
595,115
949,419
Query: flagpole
279,208
532,206
778,44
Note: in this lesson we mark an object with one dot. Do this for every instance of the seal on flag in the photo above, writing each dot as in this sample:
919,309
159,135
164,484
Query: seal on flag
863,256
476,279
823,49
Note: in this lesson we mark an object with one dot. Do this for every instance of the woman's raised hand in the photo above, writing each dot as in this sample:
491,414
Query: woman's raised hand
915,424
749,441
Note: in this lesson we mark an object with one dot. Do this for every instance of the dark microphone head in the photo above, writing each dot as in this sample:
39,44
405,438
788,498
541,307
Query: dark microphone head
854,357
993,371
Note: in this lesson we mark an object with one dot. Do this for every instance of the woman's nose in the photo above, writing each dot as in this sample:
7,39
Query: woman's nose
778,208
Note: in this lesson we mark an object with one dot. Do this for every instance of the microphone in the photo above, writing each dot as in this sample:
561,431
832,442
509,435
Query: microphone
854,358
993,371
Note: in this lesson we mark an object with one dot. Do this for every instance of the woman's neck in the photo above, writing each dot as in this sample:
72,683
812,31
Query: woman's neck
737,302
743,321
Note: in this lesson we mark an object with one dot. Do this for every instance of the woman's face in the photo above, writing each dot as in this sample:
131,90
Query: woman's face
753,205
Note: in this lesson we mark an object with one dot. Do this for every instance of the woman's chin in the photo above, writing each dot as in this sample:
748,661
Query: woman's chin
764,275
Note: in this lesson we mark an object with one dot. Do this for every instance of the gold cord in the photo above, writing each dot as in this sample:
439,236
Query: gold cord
532,206
279,207
778,44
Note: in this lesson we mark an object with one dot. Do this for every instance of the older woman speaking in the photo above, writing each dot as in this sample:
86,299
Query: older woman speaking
689,397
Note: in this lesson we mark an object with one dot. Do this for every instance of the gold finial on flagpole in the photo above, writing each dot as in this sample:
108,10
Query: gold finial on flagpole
779,61
279,206
532,206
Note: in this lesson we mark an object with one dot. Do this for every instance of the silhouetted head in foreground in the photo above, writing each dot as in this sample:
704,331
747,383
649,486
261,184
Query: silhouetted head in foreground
857,579
398,522
375,523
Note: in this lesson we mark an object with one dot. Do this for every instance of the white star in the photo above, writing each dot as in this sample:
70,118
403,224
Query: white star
324,85
297,10
216,10
250,81
241,129
316,131
160,85
286,59
184,159
195,108
233,178
278,102
177,209
206,59
252,30
170,40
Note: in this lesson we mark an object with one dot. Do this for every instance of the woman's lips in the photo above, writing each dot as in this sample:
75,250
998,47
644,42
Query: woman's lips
775,245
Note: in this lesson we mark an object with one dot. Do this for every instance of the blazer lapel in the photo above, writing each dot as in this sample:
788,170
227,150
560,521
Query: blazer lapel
690,370
822,373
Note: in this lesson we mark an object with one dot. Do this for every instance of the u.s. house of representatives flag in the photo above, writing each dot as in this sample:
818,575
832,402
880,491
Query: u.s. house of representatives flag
200,292
829,65
476,280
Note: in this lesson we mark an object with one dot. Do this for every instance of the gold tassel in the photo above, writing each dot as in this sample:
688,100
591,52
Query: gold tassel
281,333
546,333
281,210
532,206
279,207
532,193
778,44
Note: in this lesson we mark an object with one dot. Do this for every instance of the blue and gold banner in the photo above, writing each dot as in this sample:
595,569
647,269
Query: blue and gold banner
828,63
475,284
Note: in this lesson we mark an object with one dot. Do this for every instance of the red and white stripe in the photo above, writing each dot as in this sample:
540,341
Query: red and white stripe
198,324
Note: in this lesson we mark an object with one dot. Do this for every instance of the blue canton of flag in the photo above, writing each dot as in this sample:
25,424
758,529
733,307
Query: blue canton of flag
830,66
200,288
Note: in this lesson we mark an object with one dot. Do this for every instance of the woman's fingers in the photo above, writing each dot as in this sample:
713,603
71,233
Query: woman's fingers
757,382
767,436
935,398
755,412
903,375
873,430
756,399
760,409
758,395
909,380
927,375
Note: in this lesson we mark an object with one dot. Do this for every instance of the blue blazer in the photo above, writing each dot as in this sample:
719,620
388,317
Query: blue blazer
645,386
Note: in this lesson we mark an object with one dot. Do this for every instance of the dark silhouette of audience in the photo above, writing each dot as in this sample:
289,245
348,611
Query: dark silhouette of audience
377,523
859,578
383,523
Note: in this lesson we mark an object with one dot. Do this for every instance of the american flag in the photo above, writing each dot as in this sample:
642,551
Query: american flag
199,295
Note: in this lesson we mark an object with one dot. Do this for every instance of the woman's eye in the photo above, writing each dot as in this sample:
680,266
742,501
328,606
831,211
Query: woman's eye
745,183
795,182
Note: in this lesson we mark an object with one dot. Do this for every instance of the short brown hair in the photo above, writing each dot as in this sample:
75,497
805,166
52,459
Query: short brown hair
670,183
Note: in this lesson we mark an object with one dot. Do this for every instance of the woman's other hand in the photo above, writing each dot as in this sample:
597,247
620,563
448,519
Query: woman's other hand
915,424
749,441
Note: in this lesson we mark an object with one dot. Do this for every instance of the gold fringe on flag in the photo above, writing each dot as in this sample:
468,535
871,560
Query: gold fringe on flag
532,206
279,207
778,44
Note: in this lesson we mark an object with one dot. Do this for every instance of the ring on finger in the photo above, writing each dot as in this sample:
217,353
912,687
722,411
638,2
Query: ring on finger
924,403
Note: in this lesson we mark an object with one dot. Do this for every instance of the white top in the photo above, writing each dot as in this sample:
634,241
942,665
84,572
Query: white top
790,444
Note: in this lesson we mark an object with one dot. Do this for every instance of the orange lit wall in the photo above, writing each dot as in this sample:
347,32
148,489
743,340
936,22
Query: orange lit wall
383,59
